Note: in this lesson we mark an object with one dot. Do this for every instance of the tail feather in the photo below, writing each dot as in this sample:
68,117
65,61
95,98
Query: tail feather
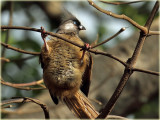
81,106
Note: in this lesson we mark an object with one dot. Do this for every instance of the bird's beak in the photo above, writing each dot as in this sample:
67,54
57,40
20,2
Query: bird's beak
81,27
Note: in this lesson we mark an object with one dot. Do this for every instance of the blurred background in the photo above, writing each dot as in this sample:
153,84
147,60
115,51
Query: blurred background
140,96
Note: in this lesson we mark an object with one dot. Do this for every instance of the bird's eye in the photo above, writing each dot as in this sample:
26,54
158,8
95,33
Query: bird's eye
77,23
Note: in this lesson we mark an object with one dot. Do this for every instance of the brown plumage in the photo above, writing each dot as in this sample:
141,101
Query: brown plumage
64,70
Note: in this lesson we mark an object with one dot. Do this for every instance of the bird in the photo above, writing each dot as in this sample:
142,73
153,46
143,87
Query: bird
66,67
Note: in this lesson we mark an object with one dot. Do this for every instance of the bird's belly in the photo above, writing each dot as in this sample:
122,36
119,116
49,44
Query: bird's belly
63,82
63,76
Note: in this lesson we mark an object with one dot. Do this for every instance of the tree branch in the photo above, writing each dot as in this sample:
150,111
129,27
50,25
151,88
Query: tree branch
154,33
121,30
143,35
146,71
152,15
20,86
118,16
19,50
4,59
27,99
27,84
108,55
119,3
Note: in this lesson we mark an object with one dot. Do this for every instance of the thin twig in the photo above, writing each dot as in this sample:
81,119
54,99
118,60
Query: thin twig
19,50
121,30
95,41
119,3
96,101
96,52
119,16
154,33
116,117
27,99
7,106
4,59
18,87
146,71
9,24
27,84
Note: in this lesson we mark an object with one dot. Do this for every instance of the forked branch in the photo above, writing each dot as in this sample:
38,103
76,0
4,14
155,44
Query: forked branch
134,23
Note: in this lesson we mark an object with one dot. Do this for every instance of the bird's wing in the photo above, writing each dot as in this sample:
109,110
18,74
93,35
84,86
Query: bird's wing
40,61
55,99
86,79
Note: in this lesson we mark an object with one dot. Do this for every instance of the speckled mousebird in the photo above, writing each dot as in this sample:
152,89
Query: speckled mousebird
64,70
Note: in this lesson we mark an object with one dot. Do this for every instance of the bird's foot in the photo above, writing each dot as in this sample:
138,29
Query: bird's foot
44,35
86,47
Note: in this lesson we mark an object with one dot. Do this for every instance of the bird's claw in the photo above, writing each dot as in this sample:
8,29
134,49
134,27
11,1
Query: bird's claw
86,47
44,35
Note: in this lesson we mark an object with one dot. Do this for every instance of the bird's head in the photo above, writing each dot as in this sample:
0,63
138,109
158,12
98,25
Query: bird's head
70,24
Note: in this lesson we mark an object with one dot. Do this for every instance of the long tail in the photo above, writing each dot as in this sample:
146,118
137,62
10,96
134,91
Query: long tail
81,106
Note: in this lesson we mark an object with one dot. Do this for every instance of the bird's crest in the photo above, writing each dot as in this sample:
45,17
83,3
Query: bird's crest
67,16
